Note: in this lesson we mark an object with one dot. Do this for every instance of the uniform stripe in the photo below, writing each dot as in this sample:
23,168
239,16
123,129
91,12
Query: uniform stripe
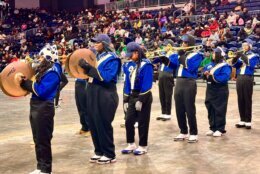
212,71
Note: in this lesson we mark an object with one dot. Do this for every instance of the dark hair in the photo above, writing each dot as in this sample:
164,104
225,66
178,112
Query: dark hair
218,57
42,68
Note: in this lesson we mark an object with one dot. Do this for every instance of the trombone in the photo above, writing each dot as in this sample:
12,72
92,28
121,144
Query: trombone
170,49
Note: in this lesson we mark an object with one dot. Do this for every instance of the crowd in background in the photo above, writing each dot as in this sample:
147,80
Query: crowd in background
24,32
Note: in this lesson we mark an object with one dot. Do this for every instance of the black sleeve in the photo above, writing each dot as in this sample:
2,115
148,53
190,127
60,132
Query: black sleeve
64,81
93,72
27,85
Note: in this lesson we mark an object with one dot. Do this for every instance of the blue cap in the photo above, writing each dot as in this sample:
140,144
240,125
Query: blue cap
102,38
189,39
234,49
131,47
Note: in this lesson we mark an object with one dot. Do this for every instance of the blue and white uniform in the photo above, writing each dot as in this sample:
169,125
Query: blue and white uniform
186,66
102,102
137,88
245,81
140,80
217,94
42,113
47,87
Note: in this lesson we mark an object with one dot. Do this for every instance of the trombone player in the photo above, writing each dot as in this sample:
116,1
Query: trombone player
166,83
186,62
245,65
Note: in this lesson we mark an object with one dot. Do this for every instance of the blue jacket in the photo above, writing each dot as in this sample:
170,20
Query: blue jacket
47,88
163,67
128,69
220,72
190,68
140,80
108,68
246,67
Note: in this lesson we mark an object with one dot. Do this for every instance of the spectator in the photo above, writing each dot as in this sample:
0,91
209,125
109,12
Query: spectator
139,39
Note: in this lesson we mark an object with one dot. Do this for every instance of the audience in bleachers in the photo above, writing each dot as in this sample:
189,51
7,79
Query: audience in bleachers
24,32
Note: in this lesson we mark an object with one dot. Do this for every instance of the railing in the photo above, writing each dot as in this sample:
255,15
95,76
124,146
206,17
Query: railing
121,5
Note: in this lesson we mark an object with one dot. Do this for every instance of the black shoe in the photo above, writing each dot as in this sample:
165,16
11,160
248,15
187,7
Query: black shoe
240,125
165,119
159,118
248,127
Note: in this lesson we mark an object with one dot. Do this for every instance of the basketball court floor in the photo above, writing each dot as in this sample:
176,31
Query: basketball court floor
238,152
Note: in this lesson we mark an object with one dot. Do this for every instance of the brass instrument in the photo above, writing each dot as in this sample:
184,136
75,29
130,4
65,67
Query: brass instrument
170,49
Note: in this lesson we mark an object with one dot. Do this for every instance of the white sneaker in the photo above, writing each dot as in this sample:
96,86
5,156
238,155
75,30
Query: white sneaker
140,150
106,160
136,125
37,171
166,117
129,149
160,117
45,173
94,158
193,139
181,137
209,133
217,134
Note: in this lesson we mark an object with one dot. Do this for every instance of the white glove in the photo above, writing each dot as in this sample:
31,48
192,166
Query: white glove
125,106
138,106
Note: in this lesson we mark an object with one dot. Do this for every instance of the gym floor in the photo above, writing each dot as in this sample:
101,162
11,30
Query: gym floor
236,152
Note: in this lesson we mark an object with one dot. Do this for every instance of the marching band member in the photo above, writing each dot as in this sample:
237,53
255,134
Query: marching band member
81,99
187,63
102,99
217,74
42,109
138,95
245,71
166,84
128,68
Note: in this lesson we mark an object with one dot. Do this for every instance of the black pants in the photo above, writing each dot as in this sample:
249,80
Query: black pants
216,102
102,103
166,83
184,95
143,118
81,100
244,95
41,119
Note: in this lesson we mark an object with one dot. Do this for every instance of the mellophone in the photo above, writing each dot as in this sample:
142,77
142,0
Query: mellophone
9,82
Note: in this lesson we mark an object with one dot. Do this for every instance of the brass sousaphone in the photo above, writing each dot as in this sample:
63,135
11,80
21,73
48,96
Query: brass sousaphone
71,64
9,81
